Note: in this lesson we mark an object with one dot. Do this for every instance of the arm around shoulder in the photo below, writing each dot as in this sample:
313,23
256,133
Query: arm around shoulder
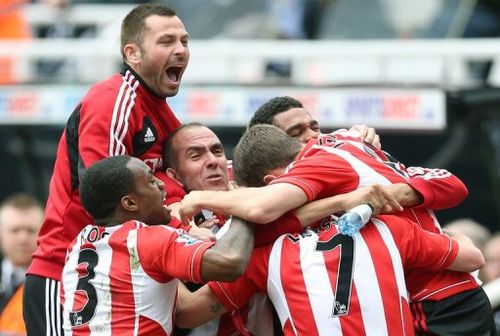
439,188
258,205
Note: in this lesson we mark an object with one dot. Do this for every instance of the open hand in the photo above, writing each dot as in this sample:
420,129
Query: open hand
368,134
201,233
190,206
381,200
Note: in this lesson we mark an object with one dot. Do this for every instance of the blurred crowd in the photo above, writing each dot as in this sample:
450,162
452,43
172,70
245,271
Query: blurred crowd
489,244
280,19
301,19
21,217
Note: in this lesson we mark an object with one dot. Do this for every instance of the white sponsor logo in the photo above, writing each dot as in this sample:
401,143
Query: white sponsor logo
149,137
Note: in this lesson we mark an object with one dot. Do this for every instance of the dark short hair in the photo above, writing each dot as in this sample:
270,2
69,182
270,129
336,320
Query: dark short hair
261,149
170,158
133,24
266,112
103,185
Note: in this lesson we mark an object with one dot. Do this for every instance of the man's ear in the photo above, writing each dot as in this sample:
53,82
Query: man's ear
132,53
172,173
129,203
268,178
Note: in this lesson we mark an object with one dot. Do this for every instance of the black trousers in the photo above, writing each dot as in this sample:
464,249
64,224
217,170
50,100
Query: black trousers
42,310
468,314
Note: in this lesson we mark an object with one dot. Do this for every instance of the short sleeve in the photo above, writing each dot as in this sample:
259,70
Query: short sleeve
167,253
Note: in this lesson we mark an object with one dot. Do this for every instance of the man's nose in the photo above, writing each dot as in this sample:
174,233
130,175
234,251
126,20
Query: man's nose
309,134
25,235
180,48
211,160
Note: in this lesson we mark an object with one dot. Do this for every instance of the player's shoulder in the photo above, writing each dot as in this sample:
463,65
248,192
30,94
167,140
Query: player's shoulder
391,220
105,90
396,224
158,229
320,155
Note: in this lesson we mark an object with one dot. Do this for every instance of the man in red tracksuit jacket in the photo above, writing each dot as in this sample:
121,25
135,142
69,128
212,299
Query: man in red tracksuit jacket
125,114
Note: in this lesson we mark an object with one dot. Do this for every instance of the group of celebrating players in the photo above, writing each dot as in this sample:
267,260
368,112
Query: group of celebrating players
111,254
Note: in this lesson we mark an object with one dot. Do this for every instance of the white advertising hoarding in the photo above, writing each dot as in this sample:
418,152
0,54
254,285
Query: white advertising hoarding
383,108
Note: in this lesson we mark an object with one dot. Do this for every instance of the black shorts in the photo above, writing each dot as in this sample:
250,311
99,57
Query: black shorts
42,310
468,313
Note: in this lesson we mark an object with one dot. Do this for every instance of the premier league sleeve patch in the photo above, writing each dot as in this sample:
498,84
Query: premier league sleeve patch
184,238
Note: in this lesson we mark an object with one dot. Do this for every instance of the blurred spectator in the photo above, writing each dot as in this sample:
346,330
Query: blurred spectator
477,232
491,270
491,274
21,216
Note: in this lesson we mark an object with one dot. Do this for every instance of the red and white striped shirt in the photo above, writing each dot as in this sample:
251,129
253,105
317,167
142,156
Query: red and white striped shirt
256,316
332,165
325,283
122,280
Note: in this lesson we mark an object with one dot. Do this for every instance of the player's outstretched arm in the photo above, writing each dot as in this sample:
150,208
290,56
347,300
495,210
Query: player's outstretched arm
258,205
405,194
381,200
440,188
228,258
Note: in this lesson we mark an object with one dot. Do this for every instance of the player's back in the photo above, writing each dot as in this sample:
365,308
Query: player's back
439,188
339,285
325,283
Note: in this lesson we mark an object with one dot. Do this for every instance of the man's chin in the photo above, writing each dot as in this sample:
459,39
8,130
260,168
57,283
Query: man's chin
217,187
167,219
164,219
170,91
